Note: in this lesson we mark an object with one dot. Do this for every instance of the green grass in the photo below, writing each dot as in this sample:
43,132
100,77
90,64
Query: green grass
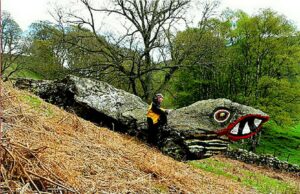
27,74
249,178
24,73
36,103
282,142
265,184
209,166
32,101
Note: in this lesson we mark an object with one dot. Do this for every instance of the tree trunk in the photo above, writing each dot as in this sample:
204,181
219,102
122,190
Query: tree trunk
148,79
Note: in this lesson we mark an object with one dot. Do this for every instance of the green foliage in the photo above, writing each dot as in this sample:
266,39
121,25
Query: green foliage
255,62
257,65
197,77
254,179
46,53
12,46
280,98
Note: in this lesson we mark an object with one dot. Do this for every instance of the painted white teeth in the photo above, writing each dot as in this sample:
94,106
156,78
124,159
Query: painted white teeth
246,129
257,122
235,130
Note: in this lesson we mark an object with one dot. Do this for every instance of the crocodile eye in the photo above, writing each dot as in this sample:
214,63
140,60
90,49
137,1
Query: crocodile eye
221,115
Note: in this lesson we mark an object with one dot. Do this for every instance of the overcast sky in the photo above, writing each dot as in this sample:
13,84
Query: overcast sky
25,12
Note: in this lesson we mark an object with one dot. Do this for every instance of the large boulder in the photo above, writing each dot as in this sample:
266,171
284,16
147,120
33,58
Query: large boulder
87,96
196,131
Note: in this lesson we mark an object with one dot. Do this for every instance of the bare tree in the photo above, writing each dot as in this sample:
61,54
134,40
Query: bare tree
146,45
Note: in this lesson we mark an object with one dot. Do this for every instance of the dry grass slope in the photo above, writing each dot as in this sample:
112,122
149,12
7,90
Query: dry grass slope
45,147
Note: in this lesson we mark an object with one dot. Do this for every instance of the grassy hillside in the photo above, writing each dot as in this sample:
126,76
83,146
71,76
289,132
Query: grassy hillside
48,147
27,74
262,180
284,143
24,73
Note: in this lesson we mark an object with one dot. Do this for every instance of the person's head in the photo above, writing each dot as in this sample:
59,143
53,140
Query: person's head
159,97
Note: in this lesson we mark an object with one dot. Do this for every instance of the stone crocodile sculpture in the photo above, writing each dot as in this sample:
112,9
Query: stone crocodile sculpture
193,132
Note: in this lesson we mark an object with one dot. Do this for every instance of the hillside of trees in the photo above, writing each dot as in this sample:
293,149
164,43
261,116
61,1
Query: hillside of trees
250,59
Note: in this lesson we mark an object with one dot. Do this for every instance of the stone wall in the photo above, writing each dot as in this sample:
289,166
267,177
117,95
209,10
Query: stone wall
262,160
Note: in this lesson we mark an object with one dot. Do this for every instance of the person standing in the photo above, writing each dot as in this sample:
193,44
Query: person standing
156,118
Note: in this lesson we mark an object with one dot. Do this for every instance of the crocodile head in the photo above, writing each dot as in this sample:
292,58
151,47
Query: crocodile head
208,126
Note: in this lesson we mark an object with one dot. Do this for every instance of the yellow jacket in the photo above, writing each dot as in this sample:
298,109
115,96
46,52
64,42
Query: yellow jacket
155,115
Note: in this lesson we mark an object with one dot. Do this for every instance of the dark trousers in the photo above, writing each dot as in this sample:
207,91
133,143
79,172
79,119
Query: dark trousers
153,129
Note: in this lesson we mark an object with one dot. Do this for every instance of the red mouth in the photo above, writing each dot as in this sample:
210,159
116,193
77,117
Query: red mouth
244,127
